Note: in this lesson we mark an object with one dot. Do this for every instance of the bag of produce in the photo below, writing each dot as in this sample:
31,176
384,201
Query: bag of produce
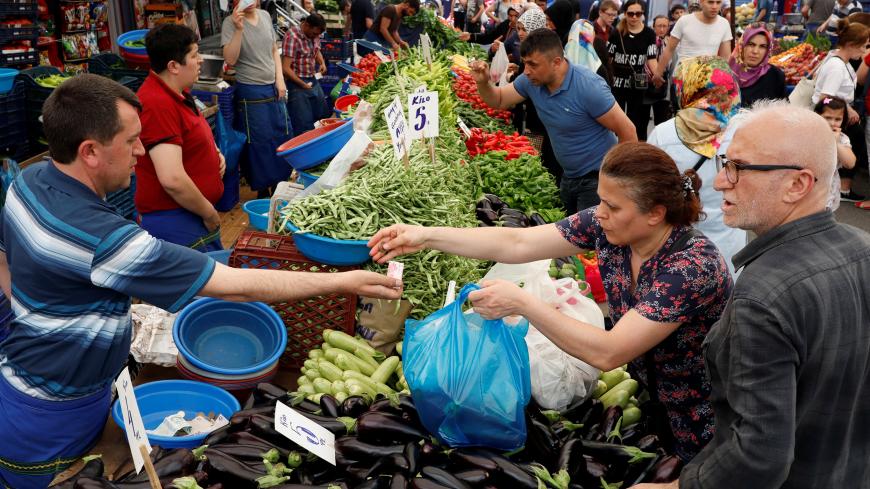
558,379
500,63
380,322
469,377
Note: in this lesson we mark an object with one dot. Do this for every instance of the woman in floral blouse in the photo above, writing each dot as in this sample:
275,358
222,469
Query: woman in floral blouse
665,286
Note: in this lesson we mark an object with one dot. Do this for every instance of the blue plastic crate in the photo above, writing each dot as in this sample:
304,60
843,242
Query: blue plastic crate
22,8
13,142
115,67
131,82
12,107
225,100
334,49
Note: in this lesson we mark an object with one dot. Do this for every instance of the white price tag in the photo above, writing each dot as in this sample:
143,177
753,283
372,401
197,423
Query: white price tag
426,44
396,123
304,432
133,425
381,56
463,127
423,115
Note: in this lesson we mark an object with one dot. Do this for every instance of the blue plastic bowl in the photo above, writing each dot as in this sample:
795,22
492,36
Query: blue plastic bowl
7,79
316,146
229,338
157,400
220,256
307,179
330,251
258,213
133,36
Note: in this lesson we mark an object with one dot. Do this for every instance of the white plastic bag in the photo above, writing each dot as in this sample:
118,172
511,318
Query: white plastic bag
152,335
558,379
498,68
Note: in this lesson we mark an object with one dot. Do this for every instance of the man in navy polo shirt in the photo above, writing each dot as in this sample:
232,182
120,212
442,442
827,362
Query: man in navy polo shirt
74,265
179,176
576,107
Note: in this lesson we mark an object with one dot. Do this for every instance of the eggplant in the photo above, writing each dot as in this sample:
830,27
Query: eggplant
177,463
494,201
412,454
649,443
423,483
486,216
630,436
514,475
399,481
231,471
475,458
637,473
387,465
536,220
385,406
584,412
444,478
484,204
94,483
217,435
541,443
264,427
354,406
376,483
386,428
352,447
432,454
571,458
266,390
244,452
611,417
595,470
329,406
611,453
333,425
357,471
474,477
667,469
304,406
216,486
248,438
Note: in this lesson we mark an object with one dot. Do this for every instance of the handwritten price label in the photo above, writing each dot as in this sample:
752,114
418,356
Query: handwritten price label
423,114
304,432
133,425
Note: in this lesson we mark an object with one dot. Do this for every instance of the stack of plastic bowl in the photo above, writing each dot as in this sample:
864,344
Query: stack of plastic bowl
232,345
7,79
312,148
157,400
136,57
258,213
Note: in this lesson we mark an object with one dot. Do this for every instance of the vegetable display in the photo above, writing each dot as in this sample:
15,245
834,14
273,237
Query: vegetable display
51,81
466,89
798,61
523,183
442,35
368,65
481,142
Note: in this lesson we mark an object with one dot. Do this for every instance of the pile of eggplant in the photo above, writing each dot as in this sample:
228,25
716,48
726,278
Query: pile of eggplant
177,469
492,211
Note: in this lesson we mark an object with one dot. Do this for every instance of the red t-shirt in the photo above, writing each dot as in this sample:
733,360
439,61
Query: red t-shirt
169,117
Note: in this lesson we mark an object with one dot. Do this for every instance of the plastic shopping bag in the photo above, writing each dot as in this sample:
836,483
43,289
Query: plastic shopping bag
558,379
499,67
469,377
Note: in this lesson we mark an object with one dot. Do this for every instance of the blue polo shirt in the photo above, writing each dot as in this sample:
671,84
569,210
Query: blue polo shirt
569,114
75,263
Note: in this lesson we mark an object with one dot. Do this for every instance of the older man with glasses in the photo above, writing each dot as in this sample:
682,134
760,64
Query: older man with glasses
788,360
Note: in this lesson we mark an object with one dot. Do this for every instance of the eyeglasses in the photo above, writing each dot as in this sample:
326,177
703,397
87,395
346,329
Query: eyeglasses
732,168
634,14
610,14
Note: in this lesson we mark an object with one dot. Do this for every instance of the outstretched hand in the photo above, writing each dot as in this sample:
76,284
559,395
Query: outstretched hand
396,240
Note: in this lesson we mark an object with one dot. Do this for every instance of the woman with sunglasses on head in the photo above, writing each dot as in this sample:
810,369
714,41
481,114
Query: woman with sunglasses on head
708,98
758,78
633,53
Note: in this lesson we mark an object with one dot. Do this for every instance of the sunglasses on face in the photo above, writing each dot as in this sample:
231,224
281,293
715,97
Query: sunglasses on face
634,14
733,168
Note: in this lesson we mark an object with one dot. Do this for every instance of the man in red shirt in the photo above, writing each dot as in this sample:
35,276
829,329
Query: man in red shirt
178,179
300,57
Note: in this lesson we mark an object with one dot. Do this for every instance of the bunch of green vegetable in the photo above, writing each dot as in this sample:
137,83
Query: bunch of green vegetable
135,43
442,36
345,366
478,118
51,81
326,6
522,183
820,42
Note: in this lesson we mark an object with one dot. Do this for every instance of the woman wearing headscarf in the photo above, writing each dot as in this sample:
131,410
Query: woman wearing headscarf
584,49
561,16
708,95
502,33
758,79
525,117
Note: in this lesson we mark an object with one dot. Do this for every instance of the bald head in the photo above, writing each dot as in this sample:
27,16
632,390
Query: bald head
776,133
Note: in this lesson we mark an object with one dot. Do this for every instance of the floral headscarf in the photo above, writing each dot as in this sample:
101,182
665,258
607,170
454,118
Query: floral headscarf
533,19
709,97
747,76
579,50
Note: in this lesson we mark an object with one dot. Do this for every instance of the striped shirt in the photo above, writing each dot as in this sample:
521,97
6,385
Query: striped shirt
75,263
302,52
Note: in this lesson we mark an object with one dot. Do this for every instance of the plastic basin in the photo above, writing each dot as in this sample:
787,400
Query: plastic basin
316,146
184,364
258,213
157,400
307,179
7,79
343,103
228,384
229,338
330,251
133,36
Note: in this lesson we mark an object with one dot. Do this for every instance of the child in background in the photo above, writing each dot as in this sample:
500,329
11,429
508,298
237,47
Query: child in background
833,110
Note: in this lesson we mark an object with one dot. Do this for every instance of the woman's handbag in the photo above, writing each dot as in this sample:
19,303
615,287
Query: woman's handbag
802,95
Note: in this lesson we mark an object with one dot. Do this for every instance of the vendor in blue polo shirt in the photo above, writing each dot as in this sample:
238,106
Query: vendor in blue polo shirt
74,265
575,106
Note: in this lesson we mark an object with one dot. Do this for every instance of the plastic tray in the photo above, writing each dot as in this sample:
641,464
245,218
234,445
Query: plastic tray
304,320
229,338
330,251
258,213
132,36
316,146
159,399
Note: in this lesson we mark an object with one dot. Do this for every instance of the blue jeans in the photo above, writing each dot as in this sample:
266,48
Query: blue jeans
579,193
305,105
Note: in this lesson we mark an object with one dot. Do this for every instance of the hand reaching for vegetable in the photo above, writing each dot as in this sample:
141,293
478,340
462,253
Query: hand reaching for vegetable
498,299
396,240
374,285
480,71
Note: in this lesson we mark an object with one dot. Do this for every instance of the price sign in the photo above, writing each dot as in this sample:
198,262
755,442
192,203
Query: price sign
426,44
395,116
463,127
423,114
381,56
304,432
136,436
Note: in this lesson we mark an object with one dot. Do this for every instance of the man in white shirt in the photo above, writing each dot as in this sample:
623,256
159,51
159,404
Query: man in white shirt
697,34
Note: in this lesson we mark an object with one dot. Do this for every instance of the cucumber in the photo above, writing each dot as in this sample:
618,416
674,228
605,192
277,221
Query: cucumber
340,339
600,389
323,385
399,348
630,416
313,374
629,385
385,370
310,363
612,377
377,387
330,372
364,356
306,389
339,386
315,397
626,375
615,398
303,380
340,396
350,362
315,354
356,388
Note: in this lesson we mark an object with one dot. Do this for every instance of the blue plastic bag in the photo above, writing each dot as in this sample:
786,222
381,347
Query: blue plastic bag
469,377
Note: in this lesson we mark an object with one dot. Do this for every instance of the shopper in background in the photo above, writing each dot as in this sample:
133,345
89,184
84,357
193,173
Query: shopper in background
301,60
249,45
834,111
861,77
836,78
633,52
815,12
362,16
677,10
473,13
788,360
659,97
497,11
458,7
762,10
702,33
576,107
607,12
751,62
385,29
560,17
666,286
76,264
495,37
526,120
842,9
708,98
178,179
